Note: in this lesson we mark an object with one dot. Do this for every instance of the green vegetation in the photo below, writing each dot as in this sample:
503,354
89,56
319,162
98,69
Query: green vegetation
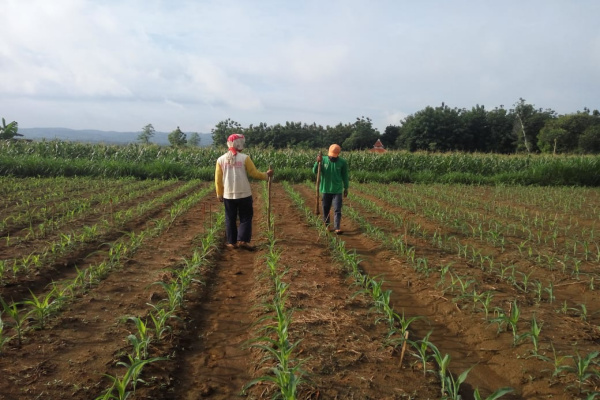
58,158
9,131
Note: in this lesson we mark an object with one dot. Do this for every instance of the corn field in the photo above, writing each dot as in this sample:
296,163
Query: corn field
58,158
114,288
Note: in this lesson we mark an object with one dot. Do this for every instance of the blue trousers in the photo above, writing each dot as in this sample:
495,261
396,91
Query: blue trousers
328,200
242,208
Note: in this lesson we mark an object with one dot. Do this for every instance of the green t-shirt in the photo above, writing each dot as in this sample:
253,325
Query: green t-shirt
334,176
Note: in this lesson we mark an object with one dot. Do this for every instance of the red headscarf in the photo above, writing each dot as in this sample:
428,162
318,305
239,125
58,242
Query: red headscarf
230,141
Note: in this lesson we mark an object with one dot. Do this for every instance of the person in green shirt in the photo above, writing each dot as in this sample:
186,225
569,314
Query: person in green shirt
334,184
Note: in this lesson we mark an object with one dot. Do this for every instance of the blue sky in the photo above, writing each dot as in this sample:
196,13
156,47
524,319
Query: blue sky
119,65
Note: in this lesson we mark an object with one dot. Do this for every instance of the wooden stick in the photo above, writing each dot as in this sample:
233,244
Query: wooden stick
317,211
403,348
269,226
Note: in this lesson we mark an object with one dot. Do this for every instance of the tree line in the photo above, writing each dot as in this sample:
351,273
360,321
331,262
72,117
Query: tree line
523,128
520,129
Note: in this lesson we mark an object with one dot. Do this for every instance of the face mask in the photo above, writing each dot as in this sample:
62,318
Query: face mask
333,159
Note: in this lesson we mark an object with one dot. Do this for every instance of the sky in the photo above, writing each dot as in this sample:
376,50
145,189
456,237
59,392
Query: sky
122,64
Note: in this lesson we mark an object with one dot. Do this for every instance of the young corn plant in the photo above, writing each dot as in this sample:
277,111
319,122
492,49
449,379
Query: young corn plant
452,385
509,319
496,395
18,322
43,307
175,294
534,333
286,373
582,369
550,291
421,347
442,361
160,318
486,300
120,386
141,340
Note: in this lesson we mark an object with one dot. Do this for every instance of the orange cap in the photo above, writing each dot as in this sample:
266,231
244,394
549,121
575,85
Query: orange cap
334,150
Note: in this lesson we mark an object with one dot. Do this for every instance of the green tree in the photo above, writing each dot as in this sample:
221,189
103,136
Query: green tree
529,121
390,135
477,131
194,139
259,134
177,138
563,134
337,134
589,141
9,131
501,139
223,129
363,135
554,139
146,134
434,129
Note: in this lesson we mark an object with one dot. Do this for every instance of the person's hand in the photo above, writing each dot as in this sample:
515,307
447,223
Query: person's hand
319,158
220,198
345,192
270,173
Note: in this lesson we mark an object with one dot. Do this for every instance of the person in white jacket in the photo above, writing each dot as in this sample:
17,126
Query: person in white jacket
233,190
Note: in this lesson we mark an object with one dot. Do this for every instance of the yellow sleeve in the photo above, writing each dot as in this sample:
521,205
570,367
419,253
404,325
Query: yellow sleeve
253,172
219,180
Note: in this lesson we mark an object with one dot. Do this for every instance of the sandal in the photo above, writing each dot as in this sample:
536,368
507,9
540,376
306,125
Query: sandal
246,246
338,231
231,246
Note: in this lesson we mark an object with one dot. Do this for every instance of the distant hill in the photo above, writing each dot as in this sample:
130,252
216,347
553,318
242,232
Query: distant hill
95,136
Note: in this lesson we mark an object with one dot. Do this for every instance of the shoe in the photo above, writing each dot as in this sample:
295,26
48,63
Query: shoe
246,246
338,231
231,245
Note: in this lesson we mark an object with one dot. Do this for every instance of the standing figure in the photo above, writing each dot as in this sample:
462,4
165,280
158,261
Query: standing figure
233,190
334,184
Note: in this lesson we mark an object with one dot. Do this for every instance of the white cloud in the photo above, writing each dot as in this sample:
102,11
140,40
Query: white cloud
120,65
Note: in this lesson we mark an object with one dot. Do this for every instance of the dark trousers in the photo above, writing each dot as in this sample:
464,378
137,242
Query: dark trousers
328,200
243,208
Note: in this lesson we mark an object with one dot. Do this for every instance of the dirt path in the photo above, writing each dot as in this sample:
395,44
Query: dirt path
340,344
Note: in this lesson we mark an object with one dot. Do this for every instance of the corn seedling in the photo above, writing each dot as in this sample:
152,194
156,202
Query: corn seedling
43,307
174,294
119,389
558,362
524,286
534,334
452,385
496,395
443,361
486,300
13,311
286,375
550,291
444,269
509,319
142,340
422,347
160,318
582,311
581,369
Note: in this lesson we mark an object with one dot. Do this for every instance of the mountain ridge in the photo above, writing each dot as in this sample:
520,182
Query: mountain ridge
99,136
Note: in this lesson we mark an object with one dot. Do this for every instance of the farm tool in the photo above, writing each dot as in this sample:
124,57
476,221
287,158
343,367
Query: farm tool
317,212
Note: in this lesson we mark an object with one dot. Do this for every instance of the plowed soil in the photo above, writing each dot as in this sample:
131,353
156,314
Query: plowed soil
342,346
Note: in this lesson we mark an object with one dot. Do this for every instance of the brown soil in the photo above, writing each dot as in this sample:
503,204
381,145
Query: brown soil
341,346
